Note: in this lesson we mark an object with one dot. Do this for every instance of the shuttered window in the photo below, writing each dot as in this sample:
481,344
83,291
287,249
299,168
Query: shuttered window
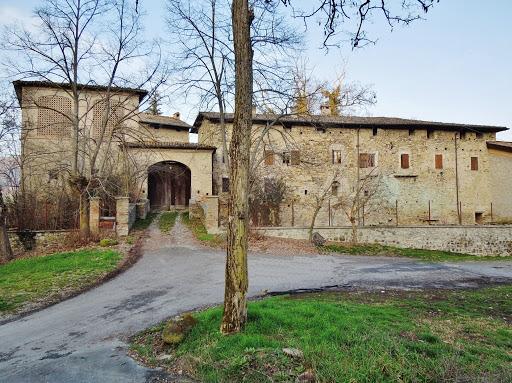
404,161
474,163
366,160
295,157
269,157
439,161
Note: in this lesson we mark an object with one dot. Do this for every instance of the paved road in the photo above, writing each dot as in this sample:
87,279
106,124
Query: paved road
83,339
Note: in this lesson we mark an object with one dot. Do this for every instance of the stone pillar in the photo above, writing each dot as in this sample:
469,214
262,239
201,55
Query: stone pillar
122,216
211,214
94,215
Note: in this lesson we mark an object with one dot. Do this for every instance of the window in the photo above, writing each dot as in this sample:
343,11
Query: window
474,163
225,184
295,157
53,116
286,158
269,157
115,115
411,132
430,133
336,156
439,161
366,160
334,188
462,135
374,131
404,161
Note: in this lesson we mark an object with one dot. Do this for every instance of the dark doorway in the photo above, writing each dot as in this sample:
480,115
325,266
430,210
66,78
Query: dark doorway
168,185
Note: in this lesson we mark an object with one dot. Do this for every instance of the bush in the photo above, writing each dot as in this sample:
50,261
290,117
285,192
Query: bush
107,242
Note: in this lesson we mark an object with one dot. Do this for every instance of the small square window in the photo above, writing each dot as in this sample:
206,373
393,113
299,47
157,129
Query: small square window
334,188
366,160
474,163
439,161
404,161
336,157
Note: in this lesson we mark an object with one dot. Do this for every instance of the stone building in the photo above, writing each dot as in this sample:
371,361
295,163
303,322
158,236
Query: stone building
379,171
376,171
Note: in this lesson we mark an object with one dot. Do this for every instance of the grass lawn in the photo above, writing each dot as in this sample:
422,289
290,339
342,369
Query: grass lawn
434,336
167,220
44,278
426,255
200,231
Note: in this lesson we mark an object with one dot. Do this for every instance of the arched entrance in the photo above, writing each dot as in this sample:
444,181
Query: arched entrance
168,185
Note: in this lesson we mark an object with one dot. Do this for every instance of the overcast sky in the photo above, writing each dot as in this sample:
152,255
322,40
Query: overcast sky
455,66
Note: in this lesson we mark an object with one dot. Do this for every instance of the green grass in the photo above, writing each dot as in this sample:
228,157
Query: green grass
39,278
167,220
200,232
426,255
143,224
463,336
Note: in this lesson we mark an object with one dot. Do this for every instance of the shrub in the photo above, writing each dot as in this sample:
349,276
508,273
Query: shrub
107,242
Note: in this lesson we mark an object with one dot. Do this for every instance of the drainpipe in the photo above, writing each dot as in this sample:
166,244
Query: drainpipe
457,181
357,168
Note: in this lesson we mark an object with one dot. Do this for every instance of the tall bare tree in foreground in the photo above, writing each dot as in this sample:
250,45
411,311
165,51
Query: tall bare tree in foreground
336,14
83,42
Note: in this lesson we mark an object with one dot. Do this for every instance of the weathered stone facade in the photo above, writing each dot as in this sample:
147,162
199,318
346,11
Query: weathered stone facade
413,169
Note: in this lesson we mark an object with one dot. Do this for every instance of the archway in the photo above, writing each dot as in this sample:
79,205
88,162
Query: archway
168,185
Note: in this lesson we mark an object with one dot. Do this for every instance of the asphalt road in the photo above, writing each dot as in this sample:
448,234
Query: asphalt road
84,338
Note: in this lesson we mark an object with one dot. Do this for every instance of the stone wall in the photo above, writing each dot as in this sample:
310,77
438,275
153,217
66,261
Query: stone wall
501,185
43,238
422,192
477,240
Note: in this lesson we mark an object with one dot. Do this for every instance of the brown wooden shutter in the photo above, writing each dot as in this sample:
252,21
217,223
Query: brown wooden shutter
363,160
474,163
269,157
404,160
295,157
439,161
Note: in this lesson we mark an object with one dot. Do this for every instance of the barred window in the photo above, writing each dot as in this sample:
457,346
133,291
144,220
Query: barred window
115,116
53,116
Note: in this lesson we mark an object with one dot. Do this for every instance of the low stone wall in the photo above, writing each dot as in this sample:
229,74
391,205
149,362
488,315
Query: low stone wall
477,240
43,238
143,208
132,215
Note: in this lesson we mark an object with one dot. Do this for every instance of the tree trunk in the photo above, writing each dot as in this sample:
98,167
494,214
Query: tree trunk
354,230
5,246
313,220
235,300
85,231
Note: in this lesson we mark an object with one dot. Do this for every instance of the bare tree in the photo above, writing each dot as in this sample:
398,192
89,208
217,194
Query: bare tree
8,136
335,15
85,42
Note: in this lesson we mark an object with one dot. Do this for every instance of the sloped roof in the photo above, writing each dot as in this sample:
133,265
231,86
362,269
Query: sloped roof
506,146
20,84
168,145
163,121
350,122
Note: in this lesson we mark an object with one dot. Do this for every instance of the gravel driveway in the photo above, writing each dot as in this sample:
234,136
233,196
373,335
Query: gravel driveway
83,339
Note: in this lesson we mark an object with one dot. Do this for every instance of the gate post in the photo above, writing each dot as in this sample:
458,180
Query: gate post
94,216
122,216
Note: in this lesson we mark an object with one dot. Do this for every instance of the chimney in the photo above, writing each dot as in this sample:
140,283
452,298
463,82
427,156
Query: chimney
325,110
176,115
